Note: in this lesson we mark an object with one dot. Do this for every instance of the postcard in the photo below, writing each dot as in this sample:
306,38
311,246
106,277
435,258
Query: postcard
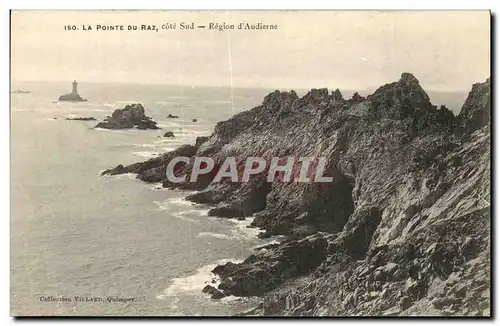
250,163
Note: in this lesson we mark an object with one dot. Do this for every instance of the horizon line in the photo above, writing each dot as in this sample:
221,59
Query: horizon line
370,89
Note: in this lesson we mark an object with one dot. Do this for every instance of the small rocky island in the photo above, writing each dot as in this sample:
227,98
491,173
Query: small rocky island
73,96
132,115
81,119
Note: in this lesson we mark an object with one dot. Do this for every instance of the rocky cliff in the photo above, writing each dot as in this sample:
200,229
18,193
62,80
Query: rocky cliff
403,229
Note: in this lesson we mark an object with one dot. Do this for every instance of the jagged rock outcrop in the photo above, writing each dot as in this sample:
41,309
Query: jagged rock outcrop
356,98
132,115
403,228
264,271
476,111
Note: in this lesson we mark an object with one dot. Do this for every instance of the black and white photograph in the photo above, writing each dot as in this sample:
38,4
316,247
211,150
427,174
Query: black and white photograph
250,163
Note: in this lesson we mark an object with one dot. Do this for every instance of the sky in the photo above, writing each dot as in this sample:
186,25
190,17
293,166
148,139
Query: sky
445,50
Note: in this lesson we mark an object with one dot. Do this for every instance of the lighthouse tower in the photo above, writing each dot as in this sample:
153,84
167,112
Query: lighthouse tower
75,90
73,96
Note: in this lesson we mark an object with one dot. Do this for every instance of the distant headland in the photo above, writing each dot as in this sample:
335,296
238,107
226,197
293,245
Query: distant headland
20,91
73,96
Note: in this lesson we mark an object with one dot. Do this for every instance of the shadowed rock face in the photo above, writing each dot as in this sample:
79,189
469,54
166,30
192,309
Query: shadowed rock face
260,274
404,222
475,112
129,117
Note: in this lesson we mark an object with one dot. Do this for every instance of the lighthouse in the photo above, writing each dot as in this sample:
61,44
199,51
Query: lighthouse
75,89
73,96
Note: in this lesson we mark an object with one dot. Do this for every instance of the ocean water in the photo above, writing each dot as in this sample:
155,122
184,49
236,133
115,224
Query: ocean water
76,233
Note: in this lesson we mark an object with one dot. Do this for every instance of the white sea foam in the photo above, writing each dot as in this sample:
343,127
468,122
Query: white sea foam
119,131
217,101
182,215
127,131
231,298
180,201
241,229
110,105
128,102
194,283
190,215
147,154
155,186
169,124
215,235
137,145
130,176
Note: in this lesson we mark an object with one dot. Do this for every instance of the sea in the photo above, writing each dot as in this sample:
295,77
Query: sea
124,247
77,233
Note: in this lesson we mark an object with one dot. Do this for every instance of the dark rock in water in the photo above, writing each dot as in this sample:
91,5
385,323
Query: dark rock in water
170,116
209,289
405,219
195,120
71,98
169,134
218,295
120,169
82,119
129,117
215,294
154,169
147,124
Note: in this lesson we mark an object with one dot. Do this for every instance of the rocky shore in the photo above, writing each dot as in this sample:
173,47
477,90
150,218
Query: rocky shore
132,115
403,229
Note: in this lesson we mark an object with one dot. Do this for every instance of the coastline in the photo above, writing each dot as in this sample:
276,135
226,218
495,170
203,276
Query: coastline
375,217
